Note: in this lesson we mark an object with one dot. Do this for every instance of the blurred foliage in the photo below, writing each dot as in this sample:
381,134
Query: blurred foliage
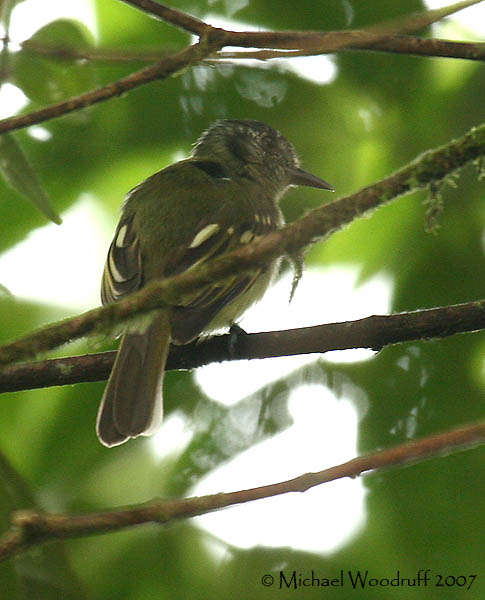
379,112
18,173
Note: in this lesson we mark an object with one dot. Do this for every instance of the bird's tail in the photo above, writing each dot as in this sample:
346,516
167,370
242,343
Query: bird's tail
132,401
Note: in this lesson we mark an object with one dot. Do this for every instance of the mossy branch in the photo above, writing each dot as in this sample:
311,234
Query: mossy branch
429,168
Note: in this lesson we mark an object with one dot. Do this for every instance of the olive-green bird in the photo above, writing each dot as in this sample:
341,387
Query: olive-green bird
223,197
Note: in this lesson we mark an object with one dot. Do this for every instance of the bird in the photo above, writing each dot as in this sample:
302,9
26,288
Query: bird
223,196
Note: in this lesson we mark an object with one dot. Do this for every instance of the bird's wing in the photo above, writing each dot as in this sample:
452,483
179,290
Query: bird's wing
216,235
123,271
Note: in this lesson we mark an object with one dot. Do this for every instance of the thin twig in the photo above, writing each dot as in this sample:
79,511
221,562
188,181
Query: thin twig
92,53
31,528
430,167
428,47
373,332
398,44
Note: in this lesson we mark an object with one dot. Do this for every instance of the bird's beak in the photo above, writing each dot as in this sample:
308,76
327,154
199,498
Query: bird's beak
300,177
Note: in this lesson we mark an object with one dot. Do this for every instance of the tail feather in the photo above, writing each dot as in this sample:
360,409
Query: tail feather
132,401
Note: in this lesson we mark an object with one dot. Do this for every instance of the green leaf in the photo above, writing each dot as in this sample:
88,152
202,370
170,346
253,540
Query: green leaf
47,78
63,33
20,176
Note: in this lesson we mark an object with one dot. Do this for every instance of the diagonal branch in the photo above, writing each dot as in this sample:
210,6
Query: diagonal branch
373,332
429,168
180,19
30,528
331,41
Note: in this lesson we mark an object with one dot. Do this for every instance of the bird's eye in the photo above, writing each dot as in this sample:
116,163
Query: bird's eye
212,168
242,149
